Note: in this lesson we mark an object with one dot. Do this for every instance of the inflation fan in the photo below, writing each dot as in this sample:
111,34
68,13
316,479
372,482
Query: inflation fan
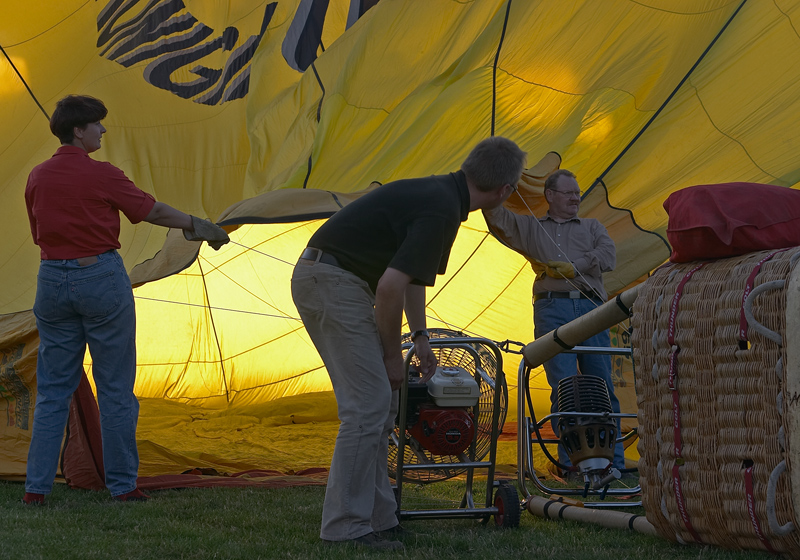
449,426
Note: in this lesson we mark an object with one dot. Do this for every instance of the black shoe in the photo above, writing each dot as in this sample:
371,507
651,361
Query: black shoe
396,532
370,540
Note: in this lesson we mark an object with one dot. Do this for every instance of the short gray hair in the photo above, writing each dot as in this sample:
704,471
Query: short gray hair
494,162
551,182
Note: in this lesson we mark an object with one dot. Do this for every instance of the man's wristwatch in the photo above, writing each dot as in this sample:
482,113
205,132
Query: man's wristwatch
424,333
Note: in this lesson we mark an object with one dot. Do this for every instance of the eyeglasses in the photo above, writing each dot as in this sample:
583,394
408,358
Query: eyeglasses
569,194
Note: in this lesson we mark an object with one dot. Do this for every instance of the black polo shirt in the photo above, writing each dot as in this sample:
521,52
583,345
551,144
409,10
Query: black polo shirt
409,225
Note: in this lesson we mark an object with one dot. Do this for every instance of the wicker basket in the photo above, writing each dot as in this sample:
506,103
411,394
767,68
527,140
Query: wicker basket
714,417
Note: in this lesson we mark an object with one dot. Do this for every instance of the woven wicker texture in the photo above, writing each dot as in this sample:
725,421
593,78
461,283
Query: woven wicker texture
728,403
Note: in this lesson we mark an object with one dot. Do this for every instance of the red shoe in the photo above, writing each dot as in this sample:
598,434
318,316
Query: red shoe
33,499
134,495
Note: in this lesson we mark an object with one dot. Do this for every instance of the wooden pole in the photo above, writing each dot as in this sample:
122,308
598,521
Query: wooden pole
551,509
573,333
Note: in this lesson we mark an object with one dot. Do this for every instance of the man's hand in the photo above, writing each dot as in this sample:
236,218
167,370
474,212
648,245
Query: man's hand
206,230
394,371
427,359
538,267
560,269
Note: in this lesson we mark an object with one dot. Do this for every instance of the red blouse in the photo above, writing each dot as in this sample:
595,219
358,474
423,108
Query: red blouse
74,203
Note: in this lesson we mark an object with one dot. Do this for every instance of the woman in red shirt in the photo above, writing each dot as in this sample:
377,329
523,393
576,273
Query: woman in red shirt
84,295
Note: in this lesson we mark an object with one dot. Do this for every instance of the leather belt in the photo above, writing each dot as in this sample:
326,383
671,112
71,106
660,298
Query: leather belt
575,294
82,261
316,255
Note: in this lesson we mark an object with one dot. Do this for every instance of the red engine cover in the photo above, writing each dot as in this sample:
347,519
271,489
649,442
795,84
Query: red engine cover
443,431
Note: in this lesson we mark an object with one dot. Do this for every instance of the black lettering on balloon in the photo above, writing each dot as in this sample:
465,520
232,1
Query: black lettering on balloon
159,72
148,44
229,87
304,37
357,9
158,18
163,32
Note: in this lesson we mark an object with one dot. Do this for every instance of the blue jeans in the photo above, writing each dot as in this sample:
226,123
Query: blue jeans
75,306
548,314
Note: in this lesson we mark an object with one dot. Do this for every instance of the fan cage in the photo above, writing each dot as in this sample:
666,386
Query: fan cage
455,357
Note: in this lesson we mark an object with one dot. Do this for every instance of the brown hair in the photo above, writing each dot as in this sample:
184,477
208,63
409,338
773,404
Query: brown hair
494,162
75,110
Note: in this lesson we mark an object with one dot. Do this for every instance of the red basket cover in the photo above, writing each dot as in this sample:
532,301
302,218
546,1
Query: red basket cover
729,219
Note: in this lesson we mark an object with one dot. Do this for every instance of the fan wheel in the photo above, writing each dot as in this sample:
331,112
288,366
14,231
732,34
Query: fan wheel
506,500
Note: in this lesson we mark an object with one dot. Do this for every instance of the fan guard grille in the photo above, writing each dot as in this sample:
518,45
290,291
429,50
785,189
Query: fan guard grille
454,357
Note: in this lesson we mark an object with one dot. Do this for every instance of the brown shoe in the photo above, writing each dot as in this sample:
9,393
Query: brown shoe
33,499
134,495
370,540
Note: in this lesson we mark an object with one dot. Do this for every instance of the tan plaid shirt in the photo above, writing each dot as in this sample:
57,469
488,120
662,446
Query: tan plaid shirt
582,241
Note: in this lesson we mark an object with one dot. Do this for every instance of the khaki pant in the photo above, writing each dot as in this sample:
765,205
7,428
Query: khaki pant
338,312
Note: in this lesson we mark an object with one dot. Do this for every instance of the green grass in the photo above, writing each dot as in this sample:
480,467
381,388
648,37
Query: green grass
284,523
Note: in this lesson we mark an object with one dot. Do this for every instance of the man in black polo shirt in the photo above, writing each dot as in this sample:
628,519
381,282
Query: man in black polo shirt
362,268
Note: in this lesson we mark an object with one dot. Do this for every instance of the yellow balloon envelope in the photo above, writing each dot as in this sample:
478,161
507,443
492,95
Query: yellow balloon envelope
269,116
